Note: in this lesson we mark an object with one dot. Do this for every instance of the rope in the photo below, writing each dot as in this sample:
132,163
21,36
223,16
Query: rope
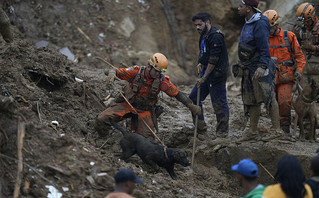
135,111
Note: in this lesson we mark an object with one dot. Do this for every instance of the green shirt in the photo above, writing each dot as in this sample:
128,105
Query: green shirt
256,193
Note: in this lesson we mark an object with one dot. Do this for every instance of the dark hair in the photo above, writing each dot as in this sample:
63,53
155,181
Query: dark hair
291,177
315,165
204,16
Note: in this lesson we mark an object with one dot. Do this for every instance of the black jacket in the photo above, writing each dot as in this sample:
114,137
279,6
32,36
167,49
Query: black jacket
216,54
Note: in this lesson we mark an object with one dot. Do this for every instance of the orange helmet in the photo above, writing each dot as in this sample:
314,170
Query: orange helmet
159,62
273,17
305,10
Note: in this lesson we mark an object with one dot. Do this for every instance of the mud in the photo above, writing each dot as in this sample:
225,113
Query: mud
61,148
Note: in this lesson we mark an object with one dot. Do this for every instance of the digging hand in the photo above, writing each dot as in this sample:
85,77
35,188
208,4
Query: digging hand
235,69
259,73
309,47
200,81
110,78
199,68
195,109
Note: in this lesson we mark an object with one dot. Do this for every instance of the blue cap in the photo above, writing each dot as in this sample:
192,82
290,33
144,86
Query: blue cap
126,174
246,167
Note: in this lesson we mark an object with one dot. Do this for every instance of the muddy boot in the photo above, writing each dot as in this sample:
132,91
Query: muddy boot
274,114
286,128
201,125
252,133
274,134
221,134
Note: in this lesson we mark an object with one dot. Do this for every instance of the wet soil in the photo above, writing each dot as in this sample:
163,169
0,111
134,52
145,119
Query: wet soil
40,88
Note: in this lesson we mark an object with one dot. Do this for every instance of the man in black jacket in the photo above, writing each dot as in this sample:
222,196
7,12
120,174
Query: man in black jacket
212,67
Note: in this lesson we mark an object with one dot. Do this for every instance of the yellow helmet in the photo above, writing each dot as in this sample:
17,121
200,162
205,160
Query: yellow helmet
273,17
159,62
305,10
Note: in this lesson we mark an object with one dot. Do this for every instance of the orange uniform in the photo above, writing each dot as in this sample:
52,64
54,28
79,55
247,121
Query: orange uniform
142,94
288,60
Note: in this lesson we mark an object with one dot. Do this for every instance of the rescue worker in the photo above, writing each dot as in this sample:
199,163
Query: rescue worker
290,61
145,83
212,67
308,34
258,69
5,26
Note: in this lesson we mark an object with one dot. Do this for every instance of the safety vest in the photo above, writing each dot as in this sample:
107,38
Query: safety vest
133,91
290,62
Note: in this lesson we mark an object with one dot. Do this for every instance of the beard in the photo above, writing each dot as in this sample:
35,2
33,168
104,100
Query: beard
204,31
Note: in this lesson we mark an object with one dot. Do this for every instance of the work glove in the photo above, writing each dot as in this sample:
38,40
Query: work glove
199,68
110,78
235,69
195,109
297,76
307,46
200,81
259,73
296,29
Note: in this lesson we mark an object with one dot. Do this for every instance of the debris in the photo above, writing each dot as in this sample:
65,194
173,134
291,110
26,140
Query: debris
78,80
65,189
101,174
101,37
38,110
54,122
65,51
21,133
42,44
86,36
54,193
26,187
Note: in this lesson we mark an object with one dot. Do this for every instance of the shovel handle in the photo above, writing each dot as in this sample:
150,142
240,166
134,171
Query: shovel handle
196,123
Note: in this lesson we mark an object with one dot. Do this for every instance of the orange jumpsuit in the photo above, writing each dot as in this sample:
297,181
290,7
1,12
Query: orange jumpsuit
285,72
121,111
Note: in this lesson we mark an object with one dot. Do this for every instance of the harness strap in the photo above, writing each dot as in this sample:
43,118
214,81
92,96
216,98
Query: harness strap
307,100
291,62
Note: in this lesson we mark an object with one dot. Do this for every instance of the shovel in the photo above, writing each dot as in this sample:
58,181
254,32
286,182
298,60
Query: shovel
196,123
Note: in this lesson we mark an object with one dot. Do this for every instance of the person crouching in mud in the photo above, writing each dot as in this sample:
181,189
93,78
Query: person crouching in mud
145,83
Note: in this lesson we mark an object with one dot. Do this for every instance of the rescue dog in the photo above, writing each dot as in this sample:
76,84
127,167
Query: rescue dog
305,106
150,153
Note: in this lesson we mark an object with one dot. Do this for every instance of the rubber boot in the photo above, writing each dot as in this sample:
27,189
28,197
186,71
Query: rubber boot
275,130
252,133
286,128
274,114
201,125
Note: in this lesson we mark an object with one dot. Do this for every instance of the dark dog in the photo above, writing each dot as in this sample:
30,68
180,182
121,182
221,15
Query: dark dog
150,153
305,106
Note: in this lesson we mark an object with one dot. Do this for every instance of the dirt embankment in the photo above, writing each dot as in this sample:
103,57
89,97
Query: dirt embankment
61,149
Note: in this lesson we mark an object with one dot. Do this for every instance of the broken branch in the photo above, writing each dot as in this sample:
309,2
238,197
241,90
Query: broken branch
21,133
85,35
